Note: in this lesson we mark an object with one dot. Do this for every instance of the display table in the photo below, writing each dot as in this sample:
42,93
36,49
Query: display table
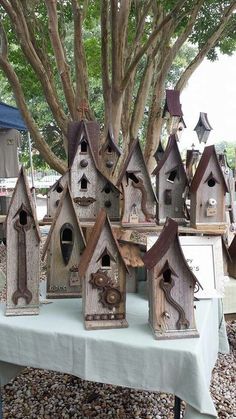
56,340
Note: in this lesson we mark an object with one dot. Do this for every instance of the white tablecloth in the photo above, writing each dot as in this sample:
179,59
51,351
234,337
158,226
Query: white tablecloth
56,340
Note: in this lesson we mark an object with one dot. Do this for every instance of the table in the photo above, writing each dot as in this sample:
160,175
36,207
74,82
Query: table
56,340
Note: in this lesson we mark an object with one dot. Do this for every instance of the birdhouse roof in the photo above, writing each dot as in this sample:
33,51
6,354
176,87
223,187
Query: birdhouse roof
102,221
203,121
58,182
168,235
172,103
92,134
159,150
22,177
208,152
65,195
171,147
110,141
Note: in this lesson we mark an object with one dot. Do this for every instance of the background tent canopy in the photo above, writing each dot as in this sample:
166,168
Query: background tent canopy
10,117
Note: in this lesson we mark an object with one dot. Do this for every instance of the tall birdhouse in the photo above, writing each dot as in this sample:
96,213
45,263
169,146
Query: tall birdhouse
64,246
173,113
23,239
139,199
171,182
54,195
203,128
207,192
109,155
91,190
171,287
103,272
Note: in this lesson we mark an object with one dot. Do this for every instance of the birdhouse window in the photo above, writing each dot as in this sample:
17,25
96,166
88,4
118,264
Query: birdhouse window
108,149
23,217
83,146
167,275
172,175
132,176
106,261
84,184
67,235
59,188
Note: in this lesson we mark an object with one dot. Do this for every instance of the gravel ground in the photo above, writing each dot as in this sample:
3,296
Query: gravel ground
40,394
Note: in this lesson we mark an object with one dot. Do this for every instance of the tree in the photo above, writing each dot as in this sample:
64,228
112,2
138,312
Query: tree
130,44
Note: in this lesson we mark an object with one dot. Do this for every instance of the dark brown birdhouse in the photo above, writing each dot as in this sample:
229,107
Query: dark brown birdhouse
203,128
139,199
90,189
103,272
23,239
207,192
54,195
171,287
64,246
171,182
173,113
109,155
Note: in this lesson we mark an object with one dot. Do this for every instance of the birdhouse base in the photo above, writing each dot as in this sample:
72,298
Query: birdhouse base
51,295
137,225
180,221
21,311
211,226
175,334
105,324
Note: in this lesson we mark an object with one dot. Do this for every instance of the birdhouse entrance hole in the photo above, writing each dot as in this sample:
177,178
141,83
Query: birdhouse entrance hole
23,217
167,275
106,261
59,189
109,149
67,235
132,177
84,183
211,182
172,175
83,146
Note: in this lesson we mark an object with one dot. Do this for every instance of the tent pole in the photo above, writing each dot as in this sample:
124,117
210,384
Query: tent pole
31,169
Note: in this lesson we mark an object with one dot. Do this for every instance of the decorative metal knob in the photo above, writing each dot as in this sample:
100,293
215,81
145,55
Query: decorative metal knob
84,163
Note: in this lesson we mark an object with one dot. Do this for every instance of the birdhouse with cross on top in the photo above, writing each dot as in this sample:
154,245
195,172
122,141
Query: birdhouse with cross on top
23,239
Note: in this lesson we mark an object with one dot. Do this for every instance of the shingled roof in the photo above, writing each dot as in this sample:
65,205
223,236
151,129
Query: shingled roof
208,152
172,103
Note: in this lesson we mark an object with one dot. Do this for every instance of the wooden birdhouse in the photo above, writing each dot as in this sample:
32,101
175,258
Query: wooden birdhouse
171,287
207,192
54,195
103,272
23,239
203,128
91,190
139,199
109,155
173,113
171,182
64,246
192,160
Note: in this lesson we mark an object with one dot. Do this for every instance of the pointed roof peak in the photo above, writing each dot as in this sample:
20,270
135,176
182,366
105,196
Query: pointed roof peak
172,103
171,145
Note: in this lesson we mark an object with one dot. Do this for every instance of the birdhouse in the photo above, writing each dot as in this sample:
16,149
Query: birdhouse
173,113
159,152
171,182
103,272
232,258
192,160
207,192
64,246
54,195
23,239
171,287
109,155
91,190
203,128
139,199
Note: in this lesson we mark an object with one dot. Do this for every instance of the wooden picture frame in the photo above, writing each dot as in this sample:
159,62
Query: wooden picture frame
205,257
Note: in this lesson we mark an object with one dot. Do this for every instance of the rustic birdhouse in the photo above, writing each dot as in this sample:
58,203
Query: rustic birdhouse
232,258
64,246
91,190
109,155
54,195
23,239
139,199
192,160
203,128
173,113
171,182
171,287
207,192
103,272
159,152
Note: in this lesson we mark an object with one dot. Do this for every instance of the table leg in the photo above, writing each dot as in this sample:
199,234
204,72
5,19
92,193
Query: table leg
177,407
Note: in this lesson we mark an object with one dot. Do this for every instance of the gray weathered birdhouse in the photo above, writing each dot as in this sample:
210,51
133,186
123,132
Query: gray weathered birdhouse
53,197
64,246
109,155
139,199
171,182
103,272
90,189
203,128
171,287
207,192
23,239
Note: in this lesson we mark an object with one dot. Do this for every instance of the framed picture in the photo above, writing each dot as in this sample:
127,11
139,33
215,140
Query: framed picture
205,258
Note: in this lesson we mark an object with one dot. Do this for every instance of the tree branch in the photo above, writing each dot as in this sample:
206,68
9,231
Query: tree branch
105,62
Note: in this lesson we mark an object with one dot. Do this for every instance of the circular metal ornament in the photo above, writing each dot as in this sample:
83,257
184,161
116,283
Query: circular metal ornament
84,163
99,280
111,297
107,204
109,164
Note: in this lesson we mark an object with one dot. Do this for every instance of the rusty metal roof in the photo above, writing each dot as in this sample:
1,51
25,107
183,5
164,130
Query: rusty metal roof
208,152
131,254
172,103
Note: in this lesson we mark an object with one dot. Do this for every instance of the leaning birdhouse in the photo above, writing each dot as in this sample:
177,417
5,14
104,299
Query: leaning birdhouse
173,114
91,190
203,128
63,247
171,182
207,192
53,197
23,239
171,287
139,199
109,155
103,272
